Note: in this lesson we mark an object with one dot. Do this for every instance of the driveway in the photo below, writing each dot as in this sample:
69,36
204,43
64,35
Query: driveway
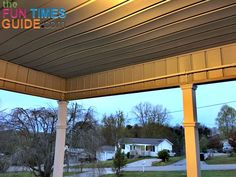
141,163
181,166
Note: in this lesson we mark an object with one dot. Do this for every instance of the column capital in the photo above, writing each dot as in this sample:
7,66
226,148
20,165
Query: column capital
188,86
191,124
61,102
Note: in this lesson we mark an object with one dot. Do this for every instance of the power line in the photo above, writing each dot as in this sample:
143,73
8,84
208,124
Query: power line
206,106
218,104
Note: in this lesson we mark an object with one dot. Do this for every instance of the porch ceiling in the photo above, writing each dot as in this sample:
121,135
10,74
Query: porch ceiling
107,34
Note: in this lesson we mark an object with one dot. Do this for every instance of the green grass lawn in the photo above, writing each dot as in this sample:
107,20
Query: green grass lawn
177,174
29,174
20,174
222,160
106,164
171,160
103,164
70,173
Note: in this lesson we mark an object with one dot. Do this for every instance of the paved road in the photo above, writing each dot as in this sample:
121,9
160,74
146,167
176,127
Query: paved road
140,166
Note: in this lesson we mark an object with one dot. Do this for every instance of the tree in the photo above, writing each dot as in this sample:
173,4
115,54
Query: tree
215,143
8,141
83,130
35,129
119,161
134,131
203,144
146,113
4,163
163,155
75,115
178,140
226,120
204,131
232,140
113,127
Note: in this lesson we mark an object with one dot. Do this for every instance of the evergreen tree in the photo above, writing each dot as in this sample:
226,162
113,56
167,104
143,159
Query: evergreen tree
119,162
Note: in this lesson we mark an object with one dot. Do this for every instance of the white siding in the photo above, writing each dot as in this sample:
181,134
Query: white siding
105,155
127,148
164,145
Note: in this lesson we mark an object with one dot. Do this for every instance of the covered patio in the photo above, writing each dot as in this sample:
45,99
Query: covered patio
122,46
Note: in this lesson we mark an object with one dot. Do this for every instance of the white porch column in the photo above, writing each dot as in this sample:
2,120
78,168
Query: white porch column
191,131
60,139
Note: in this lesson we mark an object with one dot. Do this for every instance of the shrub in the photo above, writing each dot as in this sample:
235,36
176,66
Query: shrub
128,155
4,164
119,161
163,155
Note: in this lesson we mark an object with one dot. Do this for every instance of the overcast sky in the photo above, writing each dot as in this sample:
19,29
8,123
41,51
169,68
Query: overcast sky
210,98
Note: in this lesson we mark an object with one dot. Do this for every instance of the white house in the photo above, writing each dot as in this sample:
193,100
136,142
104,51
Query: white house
105,153
144,146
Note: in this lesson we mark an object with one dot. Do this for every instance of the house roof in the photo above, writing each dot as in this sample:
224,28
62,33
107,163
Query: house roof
151,141
107,148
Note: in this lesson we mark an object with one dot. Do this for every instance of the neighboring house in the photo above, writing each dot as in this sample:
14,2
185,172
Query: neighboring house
105,153
76,155
227,147
144,146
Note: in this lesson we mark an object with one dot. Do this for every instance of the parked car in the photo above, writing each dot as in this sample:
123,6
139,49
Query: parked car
171,154
227,149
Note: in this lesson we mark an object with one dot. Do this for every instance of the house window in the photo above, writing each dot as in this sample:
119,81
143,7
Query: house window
142,148
150,148
132,147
